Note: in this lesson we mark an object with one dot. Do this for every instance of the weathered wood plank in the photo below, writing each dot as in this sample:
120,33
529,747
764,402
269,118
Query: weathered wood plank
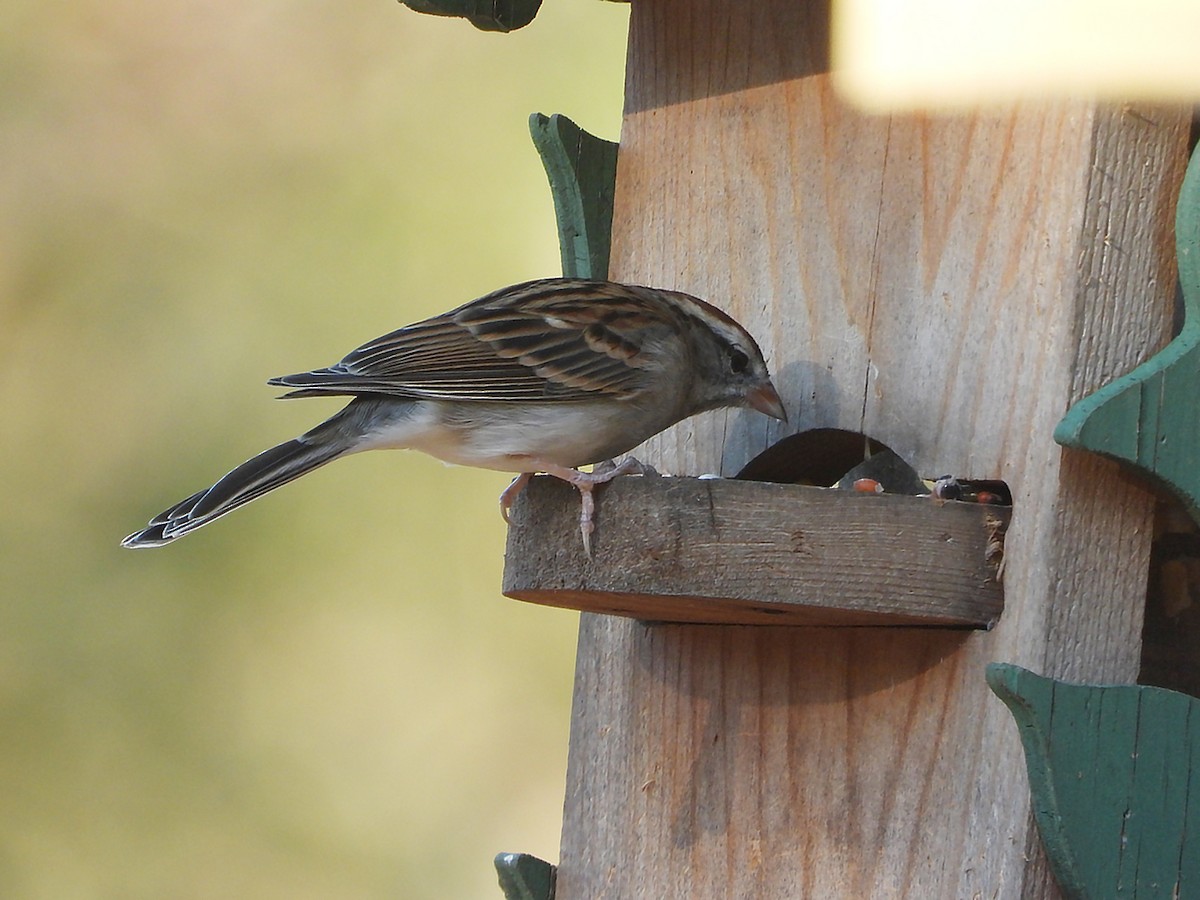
582,170
948,285
1110,768
745,553
1148,419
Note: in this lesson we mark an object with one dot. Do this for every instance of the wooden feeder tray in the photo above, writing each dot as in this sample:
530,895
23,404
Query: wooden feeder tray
724,551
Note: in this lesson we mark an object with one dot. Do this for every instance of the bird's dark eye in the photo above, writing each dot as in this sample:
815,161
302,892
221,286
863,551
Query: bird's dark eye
738,361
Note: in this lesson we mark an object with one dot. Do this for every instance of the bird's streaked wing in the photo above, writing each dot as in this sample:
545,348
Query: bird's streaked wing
532,341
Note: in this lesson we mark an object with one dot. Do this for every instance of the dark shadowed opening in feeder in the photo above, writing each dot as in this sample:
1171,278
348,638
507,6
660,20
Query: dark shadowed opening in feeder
820,456
853,461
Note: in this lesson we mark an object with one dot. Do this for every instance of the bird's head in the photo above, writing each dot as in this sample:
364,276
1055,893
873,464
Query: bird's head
729,365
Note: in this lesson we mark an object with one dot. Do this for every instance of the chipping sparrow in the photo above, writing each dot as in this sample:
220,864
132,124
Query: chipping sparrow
543,376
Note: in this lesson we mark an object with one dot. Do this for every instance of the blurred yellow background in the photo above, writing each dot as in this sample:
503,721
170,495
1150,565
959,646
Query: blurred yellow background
323,695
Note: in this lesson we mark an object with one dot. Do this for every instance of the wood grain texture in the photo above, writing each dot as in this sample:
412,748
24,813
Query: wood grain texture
1148,419
749,553
582,170
1113,773
948,285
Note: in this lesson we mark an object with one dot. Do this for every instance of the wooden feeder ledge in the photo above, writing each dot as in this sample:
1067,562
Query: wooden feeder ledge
724,551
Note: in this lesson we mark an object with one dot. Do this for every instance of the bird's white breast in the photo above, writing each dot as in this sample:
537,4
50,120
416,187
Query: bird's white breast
513,437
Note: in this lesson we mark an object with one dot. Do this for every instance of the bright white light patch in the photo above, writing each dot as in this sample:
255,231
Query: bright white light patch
890,54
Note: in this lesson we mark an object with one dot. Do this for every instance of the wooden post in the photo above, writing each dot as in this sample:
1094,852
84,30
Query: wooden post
949,285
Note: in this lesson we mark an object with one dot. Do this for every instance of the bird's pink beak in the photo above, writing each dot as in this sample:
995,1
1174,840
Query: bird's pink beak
766,400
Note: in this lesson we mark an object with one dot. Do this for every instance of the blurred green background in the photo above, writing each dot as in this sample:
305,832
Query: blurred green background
323,695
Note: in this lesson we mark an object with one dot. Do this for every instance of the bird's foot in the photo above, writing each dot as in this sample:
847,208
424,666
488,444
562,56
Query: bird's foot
510,495
627,466
584,482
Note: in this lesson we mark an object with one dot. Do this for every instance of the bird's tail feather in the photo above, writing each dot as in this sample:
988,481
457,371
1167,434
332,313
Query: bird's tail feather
253,478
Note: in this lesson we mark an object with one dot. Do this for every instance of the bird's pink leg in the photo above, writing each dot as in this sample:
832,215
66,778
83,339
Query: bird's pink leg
585,483
510,494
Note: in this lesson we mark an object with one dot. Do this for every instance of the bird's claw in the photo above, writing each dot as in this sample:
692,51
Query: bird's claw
610,468
509,496
586,512
584,482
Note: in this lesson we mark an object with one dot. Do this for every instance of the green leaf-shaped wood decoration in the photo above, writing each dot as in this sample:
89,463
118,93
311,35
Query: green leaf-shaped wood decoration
582,170
486,15
1150,418
525,877
1115,778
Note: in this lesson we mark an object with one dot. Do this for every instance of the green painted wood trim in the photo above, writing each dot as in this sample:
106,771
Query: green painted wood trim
525,877
486,15
1114,773
582,170
1150,418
